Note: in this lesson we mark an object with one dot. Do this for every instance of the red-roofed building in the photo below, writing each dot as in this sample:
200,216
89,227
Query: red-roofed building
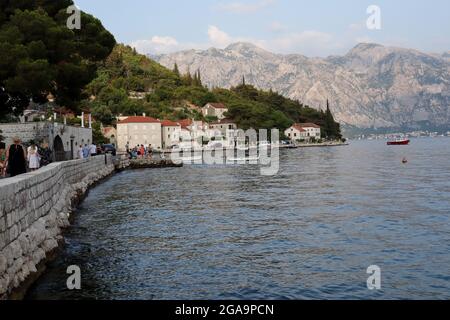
139,119
139,130
185,124
171,132
110,133
192,130
223,125
217,110
303,132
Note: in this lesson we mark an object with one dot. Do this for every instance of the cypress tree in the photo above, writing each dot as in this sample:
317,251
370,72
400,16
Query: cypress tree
176,70
331,129
189,79
196,80
199,78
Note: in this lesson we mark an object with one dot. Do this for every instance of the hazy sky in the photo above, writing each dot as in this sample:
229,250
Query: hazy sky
313,28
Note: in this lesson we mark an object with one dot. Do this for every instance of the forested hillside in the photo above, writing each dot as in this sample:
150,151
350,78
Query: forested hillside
167,94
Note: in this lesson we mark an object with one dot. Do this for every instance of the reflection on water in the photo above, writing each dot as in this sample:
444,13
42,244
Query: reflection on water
226,232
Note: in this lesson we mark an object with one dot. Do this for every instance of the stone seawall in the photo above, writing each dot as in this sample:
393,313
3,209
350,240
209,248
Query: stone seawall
34,209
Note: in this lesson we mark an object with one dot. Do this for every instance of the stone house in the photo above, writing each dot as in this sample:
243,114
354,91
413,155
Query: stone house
303,131
137,130
222,126
217,110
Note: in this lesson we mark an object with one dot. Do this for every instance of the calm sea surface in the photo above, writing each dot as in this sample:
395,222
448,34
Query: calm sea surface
226,232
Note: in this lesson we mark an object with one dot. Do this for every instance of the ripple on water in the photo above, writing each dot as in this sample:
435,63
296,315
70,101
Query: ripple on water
226,232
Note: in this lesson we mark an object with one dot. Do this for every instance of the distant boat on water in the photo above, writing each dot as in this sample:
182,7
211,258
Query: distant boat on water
399,142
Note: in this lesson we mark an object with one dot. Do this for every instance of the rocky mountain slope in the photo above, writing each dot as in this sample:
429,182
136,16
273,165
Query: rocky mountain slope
370,87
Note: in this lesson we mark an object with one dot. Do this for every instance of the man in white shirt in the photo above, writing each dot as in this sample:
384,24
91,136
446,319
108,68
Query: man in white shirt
80,152
93,150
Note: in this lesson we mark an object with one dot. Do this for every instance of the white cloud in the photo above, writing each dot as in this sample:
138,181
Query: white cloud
241,7
310,43
218,37
156,45
165,41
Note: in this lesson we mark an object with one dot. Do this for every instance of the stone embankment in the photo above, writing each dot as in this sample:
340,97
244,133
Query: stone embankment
323,144
34,210
150,163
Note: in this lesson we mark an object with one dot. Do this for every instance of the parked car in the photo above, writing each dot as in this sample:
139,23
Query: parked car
109,148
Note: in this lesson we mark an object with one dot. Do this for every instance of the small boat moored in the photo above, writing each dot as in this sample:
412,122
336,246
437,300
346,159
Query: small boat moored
402,142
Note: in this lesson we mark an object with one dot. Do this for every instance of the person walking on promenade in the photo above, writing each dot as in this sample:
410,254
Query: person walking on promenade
86,151
142,151
3,161
34,158
80,152
150,151
93,150
17,158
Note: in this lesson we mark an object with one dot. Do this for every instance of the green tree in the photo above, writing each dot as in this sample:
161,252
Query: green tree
40,55
97,135
331,128
197,81
176,70
188,80
102,113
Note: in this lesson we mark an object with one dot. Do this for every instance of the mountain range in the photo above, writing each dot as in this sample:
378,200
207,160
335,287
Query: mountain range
372,86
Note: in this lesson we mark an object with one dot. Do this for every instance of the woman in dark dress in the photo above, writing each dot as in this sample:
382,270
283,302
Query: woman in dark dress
16,158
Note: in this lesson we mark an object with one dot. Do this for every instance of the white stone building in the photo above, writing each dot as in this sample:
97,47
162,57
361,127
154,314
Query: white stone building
171,133
192,130
303,131
217,110
222,126
139,130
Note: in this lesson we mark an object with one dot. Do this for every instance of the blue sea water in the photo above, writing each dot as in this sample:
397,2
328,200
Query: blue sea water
227,232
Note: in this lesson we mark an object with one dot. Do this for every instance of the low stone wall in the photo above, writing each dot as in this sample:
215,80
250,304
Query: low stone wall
121,162
34,208
150,163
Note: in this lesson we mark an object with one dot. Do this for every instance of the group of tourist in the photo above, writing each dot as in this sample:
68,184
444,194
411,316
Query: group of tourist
87,151
140,152
15,159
